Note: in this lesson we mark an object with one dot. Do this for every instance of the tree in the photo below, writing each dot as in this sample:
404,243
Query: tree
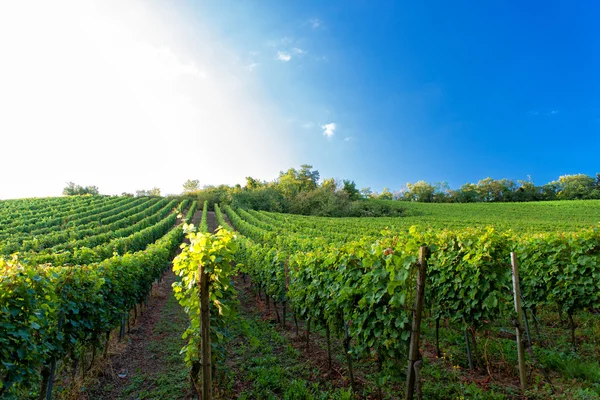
76,190
252,183
366,192
572,187
288,183
351,190
385,194
152,192
467,193
329,184
308,179
190,186
420,191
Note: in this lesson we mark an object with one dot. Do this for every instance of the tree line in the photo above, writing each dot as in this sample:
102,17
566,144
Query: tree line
301,191
566,187
297,191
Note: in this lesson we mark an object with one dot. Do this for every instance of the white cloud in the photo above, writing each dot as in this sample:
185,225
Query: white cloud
329,129
284,56
124,95
315,23
252,66
298,51
553,112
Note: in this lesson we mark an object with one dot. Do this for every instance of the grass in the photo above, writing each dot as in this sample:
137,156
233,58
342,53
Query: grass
574,374
540,216
161,373
261,363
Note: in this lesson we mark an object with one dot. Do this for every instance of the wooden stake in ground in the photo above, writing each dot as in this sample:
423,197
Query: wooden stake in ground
517,323
207,387
413,353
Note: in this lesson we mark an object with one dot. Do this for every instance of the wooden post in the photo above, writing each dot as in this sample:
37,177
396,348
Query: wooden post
287,285
204,283
122,331
518,326
349,357
413,353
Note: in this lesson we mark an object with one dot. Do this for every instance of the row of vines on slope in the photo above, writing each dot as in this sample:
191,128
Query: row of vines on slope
52,313
361,289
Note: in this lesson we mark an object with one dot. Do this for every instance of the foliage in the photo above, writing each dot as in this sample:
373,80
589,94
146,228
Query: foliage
214,251
350,188
76,190
152,192
88,300
357,276
190,186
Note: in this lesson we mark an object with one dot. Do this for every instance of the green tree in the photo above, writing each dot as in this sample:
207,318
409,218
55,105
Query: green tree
385,194
366,192
329,184
308,179
351,190
190,186
76,190
420,191
577,186
467,193
252,183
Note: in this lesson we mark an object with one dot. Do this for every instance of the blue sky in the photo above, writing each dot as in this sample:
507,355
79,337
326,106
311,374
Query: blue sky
427,91
139,94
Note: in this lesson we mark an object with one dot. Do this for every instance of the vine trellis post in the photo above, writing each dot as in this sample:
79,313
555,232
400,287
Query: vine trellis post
413,353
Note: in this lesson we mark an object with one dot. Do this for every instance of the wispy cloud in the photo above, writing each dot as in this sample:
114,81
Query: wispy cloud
284,56
251,67
329,129
535,113
348,139
298,51
308,125
315,23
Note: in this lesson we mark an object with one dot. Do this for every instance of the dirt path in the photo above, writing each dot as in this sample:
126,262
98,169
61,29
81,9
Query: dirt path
149,366
211,221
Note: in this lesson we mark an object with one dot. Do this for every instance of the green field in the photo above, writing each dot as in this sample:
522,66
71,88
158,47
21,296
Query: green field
75,267
546,216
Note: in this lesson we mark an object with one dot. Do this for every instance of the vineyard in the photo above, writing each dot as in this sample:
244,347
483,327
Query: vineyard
73,269
419,306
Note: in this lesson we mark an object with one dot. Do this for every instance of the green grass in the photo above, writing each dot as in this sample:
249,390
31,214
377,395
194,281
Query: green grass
539,216
172,382
260,363
169,378
575,374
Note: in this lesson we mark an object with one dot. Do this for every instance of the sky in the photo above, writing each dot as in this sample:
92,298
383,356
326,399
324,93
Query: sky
132,94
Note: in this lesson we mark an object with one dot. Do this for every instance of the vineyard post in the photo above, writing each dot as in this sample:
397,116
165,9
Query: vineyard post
517,322
61,319
287,285
122,331
348,356
413,353
205,334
